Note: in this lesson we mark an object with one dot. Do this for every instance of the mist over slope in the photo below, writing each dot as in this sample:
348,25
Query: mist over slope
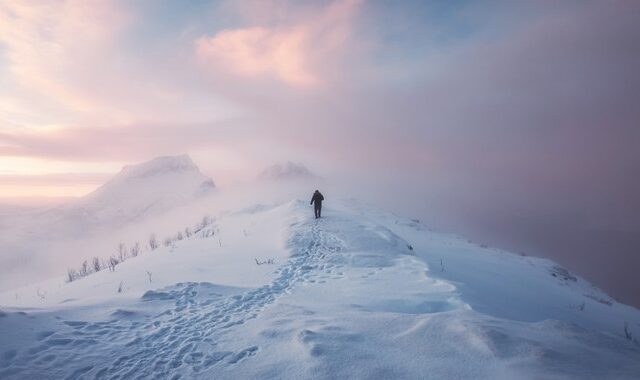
142,190
139,200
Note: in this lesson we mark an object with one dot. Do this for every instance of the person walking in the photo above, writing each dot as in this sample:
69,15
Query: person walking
316,201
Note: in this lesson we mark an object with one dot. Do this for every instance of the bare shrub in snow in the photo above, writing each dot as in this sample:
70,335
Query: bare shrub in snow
84,269
122,252
97,264
206,220
267,261
206,227
135,250
72,275
627,333
112,262
153,242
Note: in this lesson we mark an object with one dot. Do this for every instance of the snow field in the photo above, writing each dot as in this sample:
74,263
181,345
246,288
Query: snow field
357,294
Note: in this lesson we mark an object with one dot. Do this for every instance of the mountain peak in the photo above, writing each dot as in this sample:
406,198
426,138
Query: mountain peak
150,187
158,166
286,170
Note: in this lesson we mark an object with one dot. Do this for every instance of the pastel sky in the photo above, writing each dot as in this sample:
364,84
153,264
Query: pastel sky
525,111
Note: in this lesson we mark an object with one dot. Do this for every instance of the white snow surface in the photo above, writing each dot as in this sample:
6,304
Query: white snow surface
358,294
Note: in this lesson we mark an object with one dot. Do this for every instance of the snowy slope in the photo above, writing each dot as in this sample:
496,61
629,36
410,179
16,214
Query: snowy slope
358,294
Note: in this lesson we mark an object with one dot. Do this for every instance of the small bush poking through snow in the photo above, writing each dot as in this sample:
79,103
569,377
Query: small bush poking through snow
153,242
97,264
122,252
84,269
135,250
267,261
113,261
627,332
205,228
72,275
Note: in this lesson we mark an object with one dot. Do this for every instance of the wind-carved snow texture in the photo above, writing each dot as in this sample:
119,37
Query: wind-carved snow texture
183,336
353,300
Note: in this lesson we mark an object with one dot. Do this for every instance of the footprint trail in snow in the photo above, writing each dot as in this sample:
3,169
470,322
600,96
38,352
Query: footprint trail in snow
182,338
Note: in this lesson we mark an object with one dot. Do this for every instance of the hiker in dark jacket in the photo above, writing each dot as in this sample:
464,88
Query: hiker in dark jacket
316,200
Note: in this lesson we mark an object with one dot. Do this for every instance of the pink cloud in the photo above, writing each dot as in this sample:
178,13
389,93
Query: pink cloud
292,53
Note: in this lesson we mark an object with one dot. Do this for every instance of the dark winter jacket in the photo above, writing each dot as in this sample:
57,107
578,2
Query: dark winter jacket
317,198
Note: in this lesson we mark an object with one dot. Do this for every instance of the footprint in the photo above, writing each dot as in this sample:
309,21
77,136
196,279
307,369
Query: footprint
75,324
216,357
243,354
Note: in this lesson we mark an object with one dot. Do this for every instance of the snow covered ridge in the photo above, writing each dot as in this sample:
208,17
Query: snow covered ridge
357,294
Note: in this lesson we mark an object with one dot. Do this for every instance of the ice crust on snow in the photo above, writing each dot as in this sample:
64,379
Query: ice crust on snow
346,297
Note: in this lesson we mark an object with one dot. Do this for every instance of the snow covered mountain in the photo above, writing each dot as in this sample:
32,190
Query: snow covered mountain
269,292
141,199
140,191
287,170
